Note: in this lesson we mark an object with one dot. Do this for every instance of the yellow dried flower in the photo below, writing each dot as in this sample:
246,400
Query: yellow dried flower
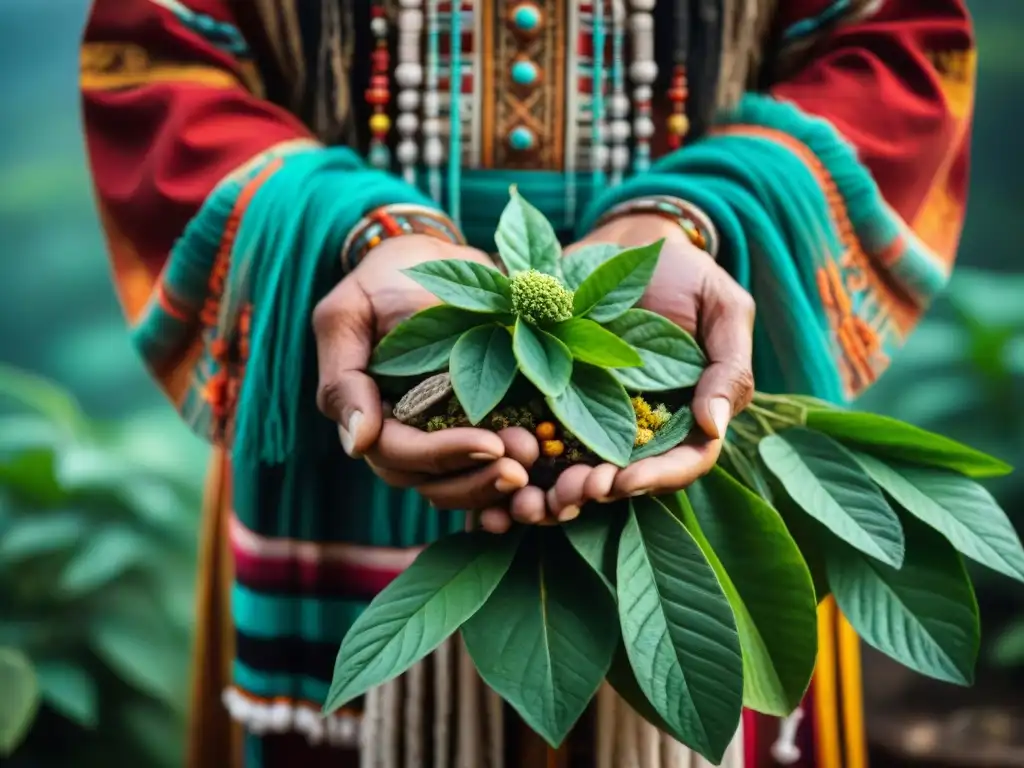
643,436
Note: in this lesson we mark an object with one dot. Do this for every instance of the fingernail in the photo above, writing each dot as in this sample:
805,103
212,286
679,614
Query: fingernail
506,486
721,413
479,456
569,513
643,492
348,433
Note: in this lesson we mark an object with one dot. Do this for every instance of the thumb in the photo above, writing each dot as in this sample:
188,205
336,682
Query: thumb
724,390
343,323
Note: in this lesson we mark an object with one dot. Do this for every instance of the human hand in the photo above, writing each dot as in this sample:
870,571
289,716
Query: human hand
461,468
693,291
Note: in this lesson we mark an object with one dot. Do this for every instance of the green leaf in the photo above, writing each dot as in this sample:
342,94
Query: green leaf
482,369
597,410
423,343
70,690
768,585
19,701
885,436
958,508
671,358
581,263
542,358
678,629
825,479
42,534
542,641
420,609
924,615
595,537
1008,649
592,344
746,469
666,438
104,557
618,284
622,678
526,239
464,284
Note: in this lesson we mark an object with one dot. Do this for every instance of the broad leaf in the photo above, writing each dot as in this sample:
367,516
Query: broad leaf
542,641
826,481
597,410
595,536
526,239
767,583
578,265
464,284
420,609
924,615
423,343
70,690
42,534
678,629
623,680
20,699
591,343
542,358
105,556
748,470
671,358
482,368
666,438
958,508
615,286
885,436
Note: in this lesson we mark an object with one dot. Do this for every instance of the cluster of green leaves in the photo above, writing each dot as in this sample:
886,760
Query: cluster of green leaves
583,365
96,587
712,589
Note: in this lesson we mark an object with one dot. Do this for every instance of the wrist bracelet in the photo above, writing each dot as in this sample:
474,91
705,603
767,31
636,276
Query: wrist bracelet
692,220
394,221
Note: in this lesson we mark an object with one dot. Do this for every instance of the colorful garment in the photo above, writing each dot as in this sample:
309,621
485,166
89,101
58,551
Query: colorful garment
235,143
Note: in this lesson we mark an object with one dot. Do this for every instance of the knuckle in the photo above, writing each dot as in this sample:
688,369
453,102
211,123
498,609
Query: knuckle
325,315
743,384
330,398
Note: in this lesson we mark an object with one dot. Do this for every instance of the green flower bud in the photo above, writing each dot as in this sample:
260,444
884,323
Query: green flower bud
540,299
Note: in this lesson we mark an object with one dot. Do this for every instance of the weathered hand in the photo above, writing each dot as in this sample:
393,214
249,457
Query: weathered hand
453,468
693,291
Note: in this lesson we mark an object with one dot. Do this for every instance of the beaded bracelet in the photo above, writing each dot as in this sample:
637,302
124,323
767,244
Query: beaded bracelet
694,222
395,221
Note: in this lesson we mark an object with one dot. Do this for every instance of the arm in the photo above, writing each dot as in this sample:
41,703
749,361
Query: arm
840,193
198,180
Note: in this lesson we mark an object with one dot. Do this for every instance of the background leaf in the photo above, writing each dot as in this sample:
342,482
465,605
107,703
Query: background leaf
826,481
579,264
666,438
591,343
597,410
70,690
886,436
671,358
420,609
542,641
768,585
617,284
464,284
526,239
482,368
924,615
595,537
958,508
19,700
677,626
423,343
542,358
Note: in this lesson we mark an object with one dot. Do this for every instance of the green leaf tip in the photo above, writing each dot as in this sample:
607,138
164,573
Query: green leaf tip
540,299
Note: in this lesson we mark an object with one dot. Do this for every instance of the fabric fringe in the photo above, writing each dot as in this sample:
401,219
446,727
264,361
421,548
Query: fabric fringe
269,717
746,30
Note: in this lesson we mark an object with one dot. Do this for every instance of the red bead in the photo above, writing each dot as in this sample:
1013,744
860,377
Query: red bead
379,81
674,141
377,11
377,96
380,59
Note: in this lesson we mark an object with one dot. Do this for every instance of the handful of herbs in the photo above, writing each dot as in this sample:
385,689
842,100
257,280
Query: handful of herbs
693,605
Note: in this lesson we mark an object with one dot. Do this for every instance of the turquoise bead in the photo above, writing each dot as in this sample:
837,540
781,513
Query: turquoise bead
521,139
526,17
380,156
524,73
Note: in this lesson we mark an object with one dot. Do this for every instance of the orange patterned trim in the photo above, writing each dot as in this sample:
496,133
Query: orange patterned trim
113,66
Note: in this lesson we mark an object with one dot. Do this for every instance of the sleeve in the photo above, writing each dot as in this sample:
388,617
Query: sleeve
223,215
840,191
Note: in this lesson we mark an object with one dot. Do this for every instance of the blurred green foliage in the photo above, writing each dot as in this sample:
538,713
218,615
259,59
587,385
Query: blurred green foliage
98,518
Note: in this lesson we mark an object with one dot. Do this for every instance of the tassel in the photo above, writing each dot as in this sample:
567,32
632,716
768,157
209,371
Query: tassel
469,751
442,703
649,739
369,749
391,697
414,716
784,750
627,752
674,754
496,728
605,728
